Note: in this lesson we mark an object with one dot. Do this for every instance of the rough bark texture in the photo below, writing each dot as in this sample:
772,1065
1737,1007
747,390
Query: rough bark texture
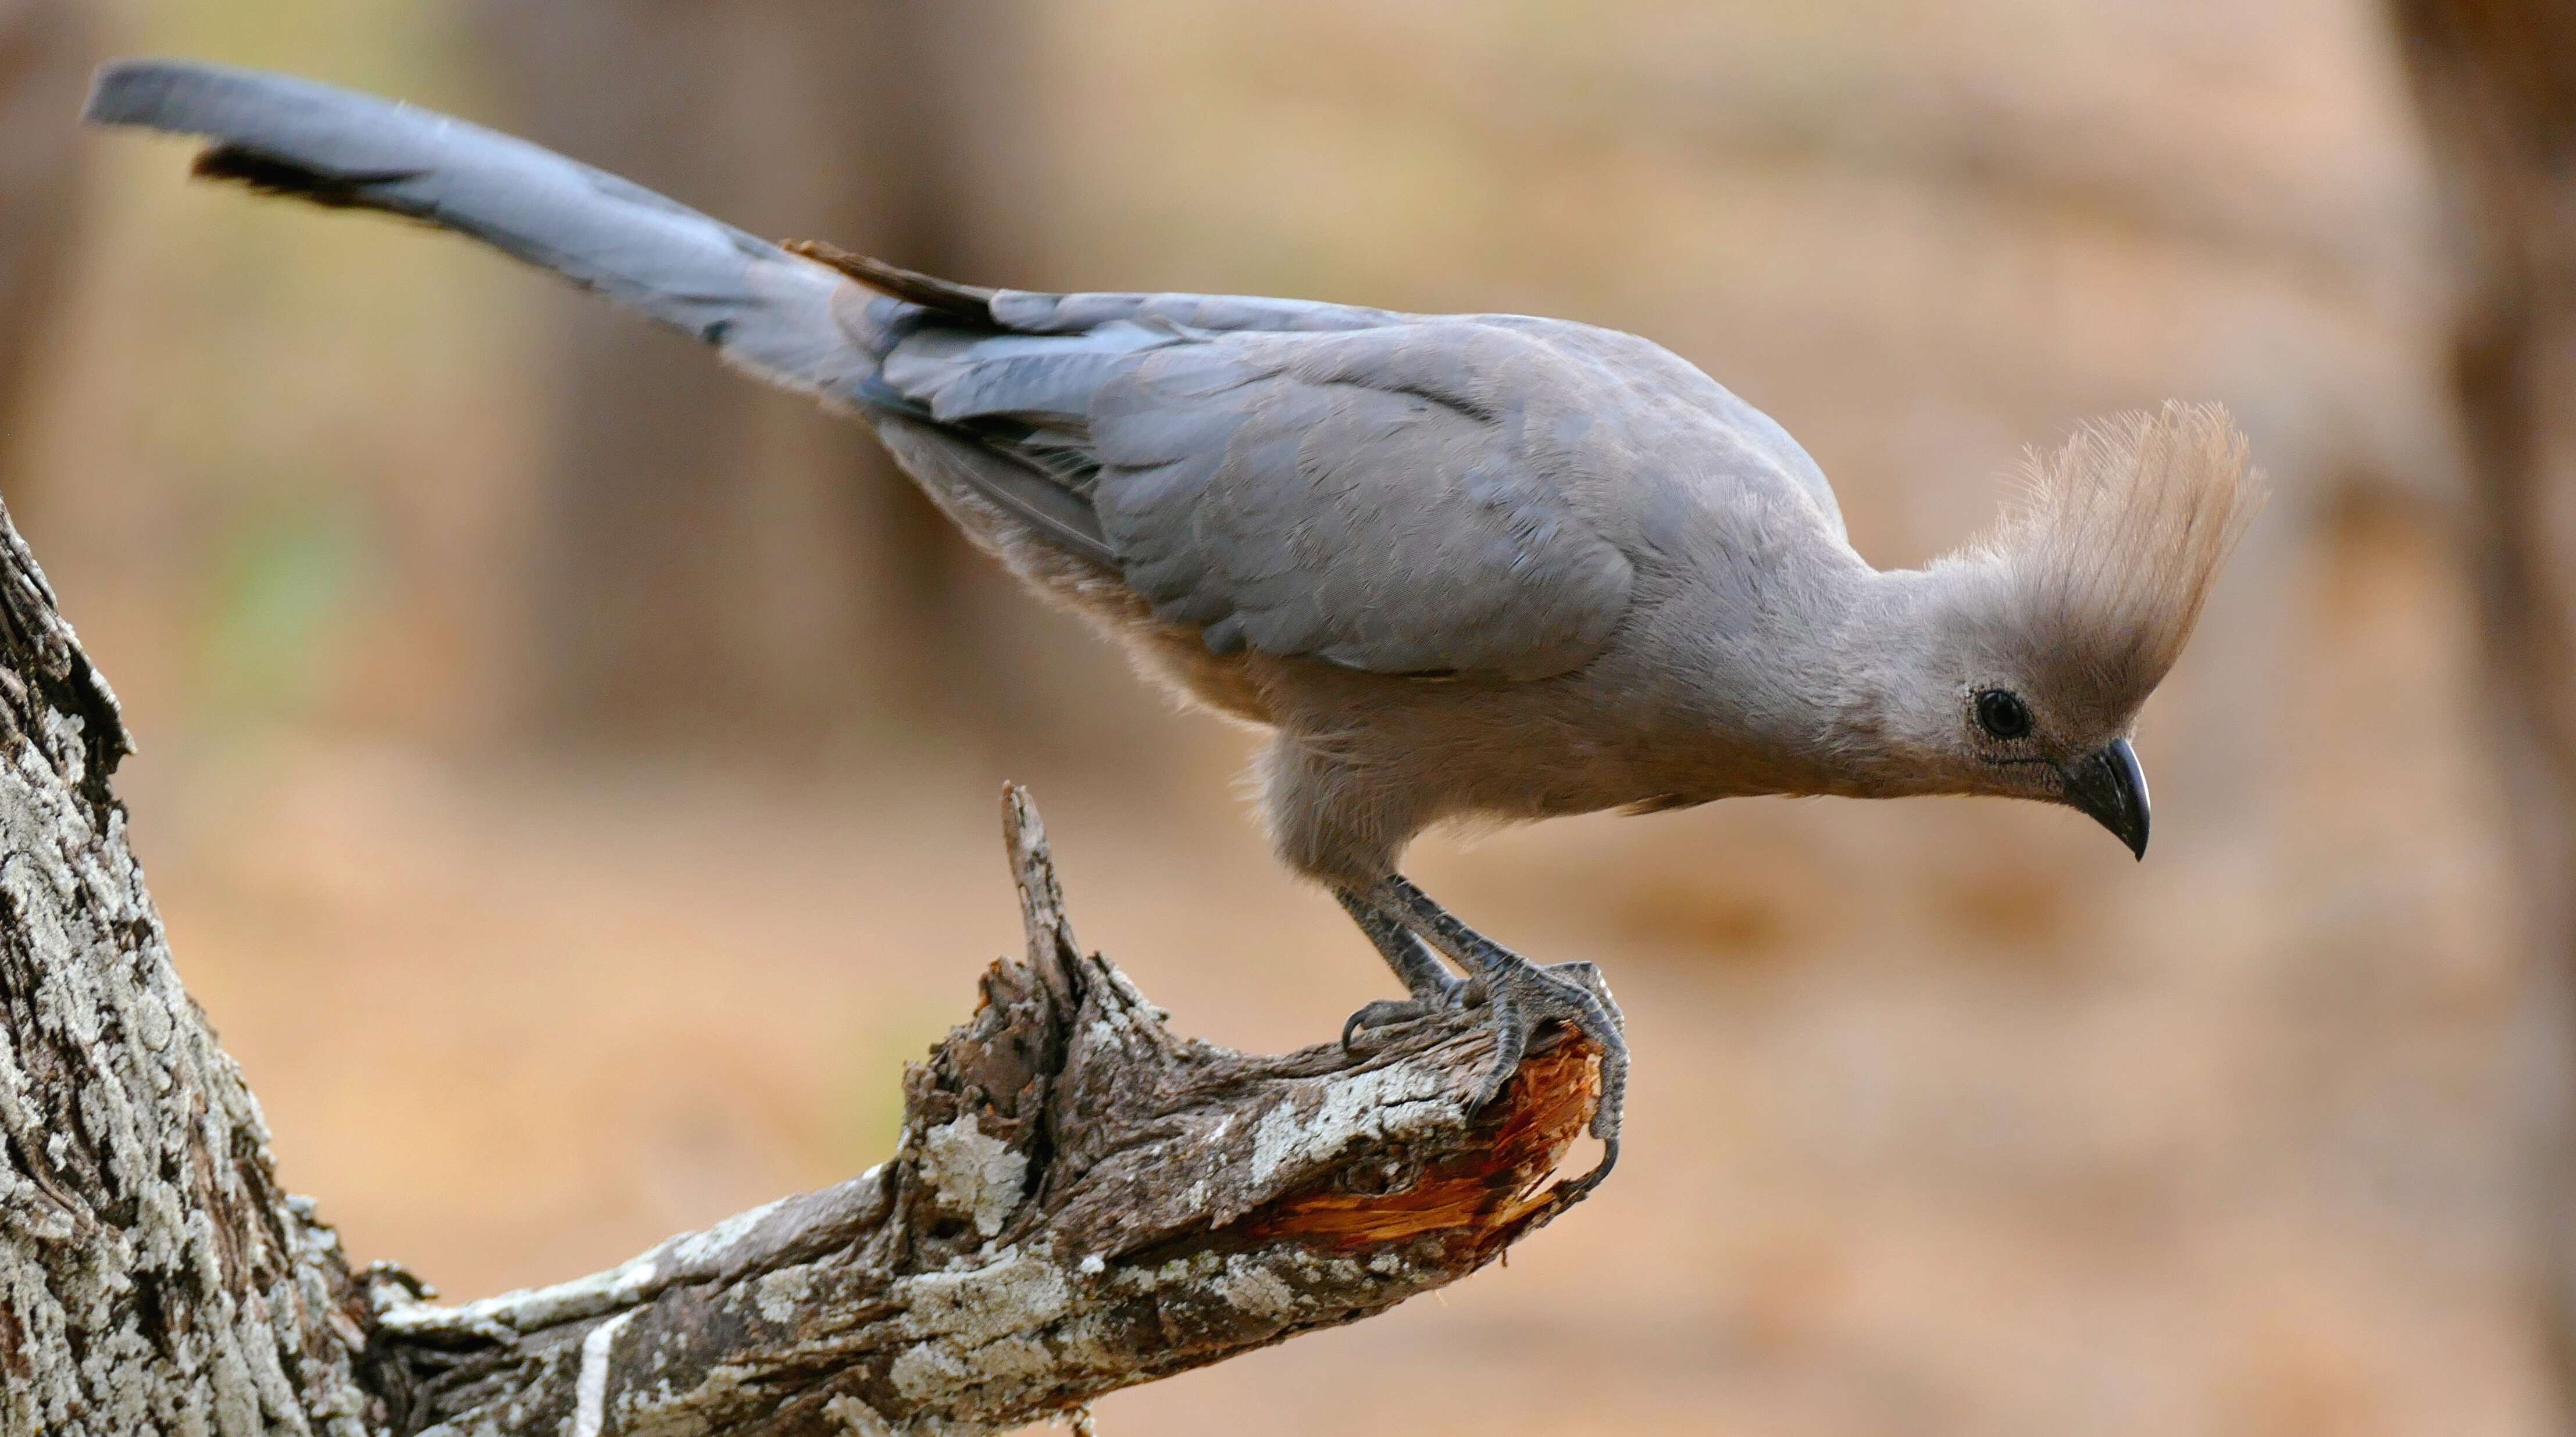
2496,82
153,1275
1082,1200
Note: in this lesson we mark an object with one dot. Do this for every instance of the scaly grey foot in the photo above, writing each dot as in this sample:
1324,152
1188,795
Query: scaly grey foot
1433,988
1523,998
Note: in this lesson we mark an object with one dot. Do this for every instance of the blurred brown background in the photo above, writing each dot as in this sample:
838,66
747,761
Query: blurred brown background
569,771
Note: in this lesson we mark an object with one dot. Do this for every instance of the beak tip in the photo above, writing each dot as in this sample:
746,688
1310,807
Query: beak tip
2112,790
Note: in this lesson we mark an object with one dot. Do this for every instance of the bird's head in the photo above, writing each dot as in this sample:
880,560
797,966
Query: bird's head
2040,642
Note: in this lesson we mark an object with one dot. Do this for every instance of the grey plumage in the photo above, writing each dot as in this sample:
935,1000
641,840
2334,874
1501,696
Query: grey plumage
1463,566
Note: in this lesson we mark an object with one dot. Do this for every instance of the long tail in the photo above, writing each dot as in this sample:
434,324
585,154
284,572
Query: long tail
765,309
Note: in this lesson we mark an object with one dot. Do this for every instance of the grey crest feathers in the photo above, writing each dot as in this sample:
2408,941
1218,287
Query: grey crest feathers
2106,555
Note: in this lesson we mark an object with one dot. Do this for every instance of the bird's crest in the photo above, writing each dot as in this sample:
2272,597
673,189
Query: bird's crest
2109,550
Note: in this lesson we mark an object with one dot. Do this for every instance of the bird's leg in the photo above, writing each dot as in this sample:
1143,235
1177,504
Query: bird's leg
1431,985
1523,996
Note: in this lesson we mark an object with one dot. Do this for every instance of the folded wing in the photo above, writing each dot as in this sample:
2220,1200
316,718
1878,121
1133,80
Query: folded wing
1395,494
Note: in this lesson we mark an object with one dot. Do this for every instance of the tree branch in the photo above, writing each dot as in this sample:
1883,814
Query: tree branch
1082,1202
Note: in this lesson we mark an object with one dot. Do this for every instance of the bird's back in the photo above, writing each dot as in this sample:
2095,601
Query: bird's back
1395,494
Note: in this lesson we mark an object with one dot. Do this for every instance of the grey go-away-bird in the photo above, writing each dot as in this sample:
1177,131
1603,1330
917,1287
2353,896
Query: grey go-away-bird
1463,567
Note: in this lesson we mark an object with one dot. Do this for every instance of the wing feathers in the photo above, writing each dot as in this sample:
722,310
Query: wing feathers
1349,497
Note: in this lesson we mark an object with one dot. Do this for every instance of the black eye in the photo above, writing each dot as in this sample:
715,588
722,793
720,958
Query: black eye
2003,714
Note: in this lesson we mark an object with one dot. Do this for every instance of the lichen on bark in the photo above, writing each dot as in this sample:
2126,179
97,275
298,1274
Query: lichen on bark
154,1277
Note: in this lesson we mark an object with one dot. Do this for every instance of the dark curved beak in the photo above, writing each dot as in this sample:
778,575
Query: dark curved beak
2110,786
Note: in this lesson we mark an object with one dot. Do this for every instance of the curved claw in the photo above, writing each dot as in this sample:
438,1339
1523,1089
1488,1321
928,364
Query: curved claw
1574,1190
1384,1013
1438,993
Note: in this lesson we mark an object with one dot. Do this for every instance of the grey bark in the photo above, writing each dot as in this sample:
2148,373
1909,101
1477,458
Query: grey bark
153,1275
2495,81
1082,1201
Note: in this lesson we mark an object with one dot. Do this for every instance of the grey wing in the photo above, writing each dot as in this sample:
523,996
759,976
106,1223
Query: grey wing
1387,499
1386,493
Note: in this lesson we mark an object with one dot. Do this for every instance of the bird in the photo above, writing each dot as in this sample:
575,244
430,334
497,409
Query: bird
1466,568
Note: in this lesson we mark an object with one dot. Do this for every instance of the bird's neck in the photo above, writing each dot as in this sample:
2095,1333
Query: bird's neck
1821,691
1858,687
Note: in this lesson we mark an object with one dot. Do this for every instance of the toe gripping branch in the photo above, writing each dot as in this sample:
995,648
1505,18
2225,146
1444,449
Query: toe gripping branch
1528,1011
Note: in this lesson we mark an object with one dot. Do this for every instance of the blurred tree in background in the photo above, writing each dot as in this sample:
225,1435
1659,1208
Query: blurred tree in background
710,555
46,49
2496,80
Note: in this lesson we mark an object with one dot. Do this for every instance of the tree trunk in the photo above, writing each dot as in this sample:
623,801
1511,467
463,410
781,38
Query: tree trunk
153,1275
710,552
2496,82
1082,1201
